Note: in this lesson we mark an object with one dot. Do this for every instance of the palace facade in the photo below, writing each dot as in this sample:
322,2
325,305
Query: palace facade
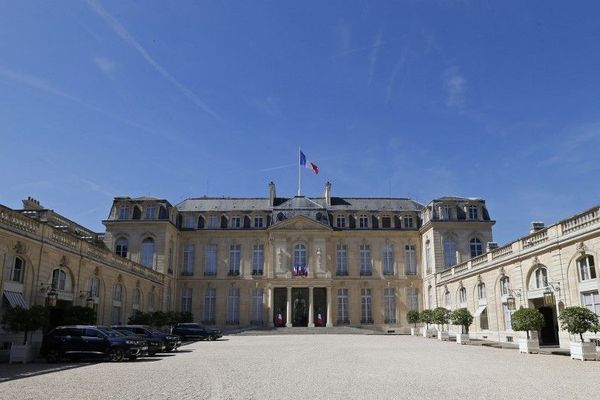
299,261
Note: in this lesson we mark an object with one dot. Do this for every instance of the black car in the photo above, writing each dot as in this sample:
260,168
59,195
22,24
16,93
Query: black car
76,341
195,331
157,341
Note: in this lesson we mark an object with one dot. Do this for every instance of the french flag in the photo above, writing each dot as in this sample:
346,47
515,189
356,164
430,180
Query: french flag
309,164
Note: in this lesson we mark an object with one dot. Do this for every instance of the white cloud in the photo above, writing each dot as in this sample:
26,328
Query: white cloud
454,84
267,105
377,43
105,65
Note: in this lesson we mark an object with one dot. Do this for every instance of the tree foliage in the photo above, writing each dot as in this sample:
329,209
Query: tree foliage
462,317
426,316
413,317
160,319
577,320
78,315
441,316
527,319
18,319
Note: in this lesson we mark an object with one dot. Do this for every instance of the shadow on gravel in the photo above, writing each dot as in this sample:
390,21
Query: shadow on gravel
10,372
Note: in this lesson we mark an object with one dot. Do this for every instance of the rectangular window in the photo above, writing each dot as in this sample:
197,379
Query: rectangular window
188,260
366,267
236,222
210,301
186,300
340,221
408,222
483,320
213,222
341,260
428,256
258,222
124,212
473,214
363,222
507,317
257,306
446,213
591,300
449,252
587,269
210,260
233,307
366,306
258,259
386,222
342,307
234,259
410,260
189,222
413,298
388,260
389,300
150,212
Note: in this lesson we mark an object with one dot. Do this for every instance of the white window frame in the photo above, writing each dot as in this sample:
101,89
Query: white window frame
473,212
481,291
210,305
366,263
300,256
449,252
408,221
413,298
122,247
475,247
210,260
540,278
505,286
343,314
428,256
258,259
150,212
233,306
363,221
235,222
214,222
462,297
341,260
123,212
186,299
340,221
189,256
259,221
257,306
147,252
366,306
388,259
593,303
389,301
410,259
235,259
587,269
20,270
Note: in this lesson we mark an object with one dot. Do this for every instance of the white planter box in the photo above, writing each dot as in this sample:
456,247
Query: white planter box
442,335
529,345
462,338
429,333
414,331
22,353
583,351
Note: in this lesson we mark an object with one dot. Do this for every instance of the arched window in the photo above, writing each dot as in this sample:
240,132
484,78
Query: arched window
505,286
587,270
116,311
135,299
388,260
60,280
449,252
162,213
17,272
430,297
462,297
540,278
481,291
428,256
476,247
137,213
94,287
447,300
201,222
118,293
299,263
151,301
147,258
122,247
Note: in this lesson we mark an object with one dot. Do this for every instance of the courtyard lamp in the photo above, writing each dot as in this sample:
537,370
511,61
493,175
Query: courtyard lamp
51,296
89,300
551,288
510,299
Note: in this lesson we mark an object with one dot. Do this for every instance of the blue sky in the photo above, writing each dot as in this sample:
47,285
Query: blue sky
406,99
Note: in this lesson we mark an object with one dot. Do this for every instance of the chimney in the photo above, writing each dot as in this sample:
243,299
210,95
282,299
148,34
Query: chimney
31,204
491,246
272,194
536,226
327,193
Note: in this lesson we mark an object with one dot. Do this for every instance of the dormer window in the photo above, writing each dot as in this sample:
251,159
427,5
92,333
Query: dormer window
236,222
213,222
473,213
340,221
386,222
189,222
363,221
124,212
446,212
150,212
259,222
408,221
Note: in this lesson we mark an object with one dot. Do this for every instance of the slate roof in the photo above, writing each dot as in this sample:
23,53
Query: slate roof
224,204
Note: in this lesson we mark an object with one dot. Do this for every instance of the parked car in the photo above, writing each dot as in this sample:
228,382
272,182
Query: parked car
195,331
157,341
74,341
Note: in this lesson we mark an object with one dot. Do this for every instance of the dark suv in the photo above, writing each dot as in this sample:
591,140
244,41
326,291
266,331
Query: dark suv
157,341
194,331
75,341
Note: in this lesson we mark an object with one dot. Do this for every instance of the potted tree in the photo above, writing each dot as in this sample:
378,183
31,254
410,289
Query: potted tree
528,320
19,319
463,318
426,317
413,317
577,320
441,316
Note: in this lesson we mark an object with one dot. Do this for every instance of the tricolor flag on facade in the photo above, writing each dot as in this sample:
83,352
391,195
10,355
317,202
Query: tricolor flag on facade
308,164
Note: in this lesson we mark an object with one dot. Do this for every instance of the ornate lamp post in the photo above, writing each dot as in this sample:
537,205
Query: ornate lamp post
510,299
553,287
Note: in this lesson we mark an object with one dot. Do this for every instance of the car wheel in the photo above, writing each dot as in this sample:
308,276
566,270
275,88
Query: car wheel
115,354
52,356
213,338
132,358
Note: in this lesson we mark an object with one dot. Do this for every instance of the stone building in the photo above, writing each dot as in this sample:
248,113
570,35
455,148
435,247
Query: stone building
299,261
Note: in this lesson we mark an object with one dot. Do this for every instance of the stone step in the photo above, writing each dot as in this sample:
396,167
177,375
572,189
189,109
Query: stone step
334,330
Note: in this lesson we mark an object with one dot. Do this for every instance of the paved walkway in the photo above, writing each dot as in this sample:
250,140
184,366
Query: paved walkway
317,367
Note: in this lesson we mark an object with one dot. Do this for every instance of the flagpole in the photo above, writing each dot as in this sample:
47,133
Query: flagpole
299,179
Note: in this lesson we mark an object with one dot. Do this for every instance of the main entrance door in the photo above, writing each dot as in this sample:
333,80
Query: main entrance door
549,332
300,307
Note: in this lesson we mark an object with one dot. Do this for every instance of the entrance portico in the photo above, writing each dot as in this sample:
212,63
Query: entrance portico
308,306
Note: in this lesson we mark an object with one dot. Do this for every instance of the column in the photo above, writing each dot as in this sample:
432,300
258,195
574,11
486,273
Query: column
288,308
311,312
329,323
270,312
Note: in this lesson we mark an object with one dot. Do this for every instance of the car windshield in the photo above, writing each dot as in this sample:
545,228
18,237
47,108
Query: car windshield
110,332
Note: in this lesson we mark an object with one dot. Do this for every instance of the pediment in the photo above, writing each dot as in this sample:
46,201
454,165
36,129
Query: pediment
300,223
300,202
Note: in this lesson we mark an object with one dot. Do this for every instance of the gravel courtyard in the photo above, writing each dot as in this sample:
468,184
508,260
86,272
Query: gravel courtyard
315,367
